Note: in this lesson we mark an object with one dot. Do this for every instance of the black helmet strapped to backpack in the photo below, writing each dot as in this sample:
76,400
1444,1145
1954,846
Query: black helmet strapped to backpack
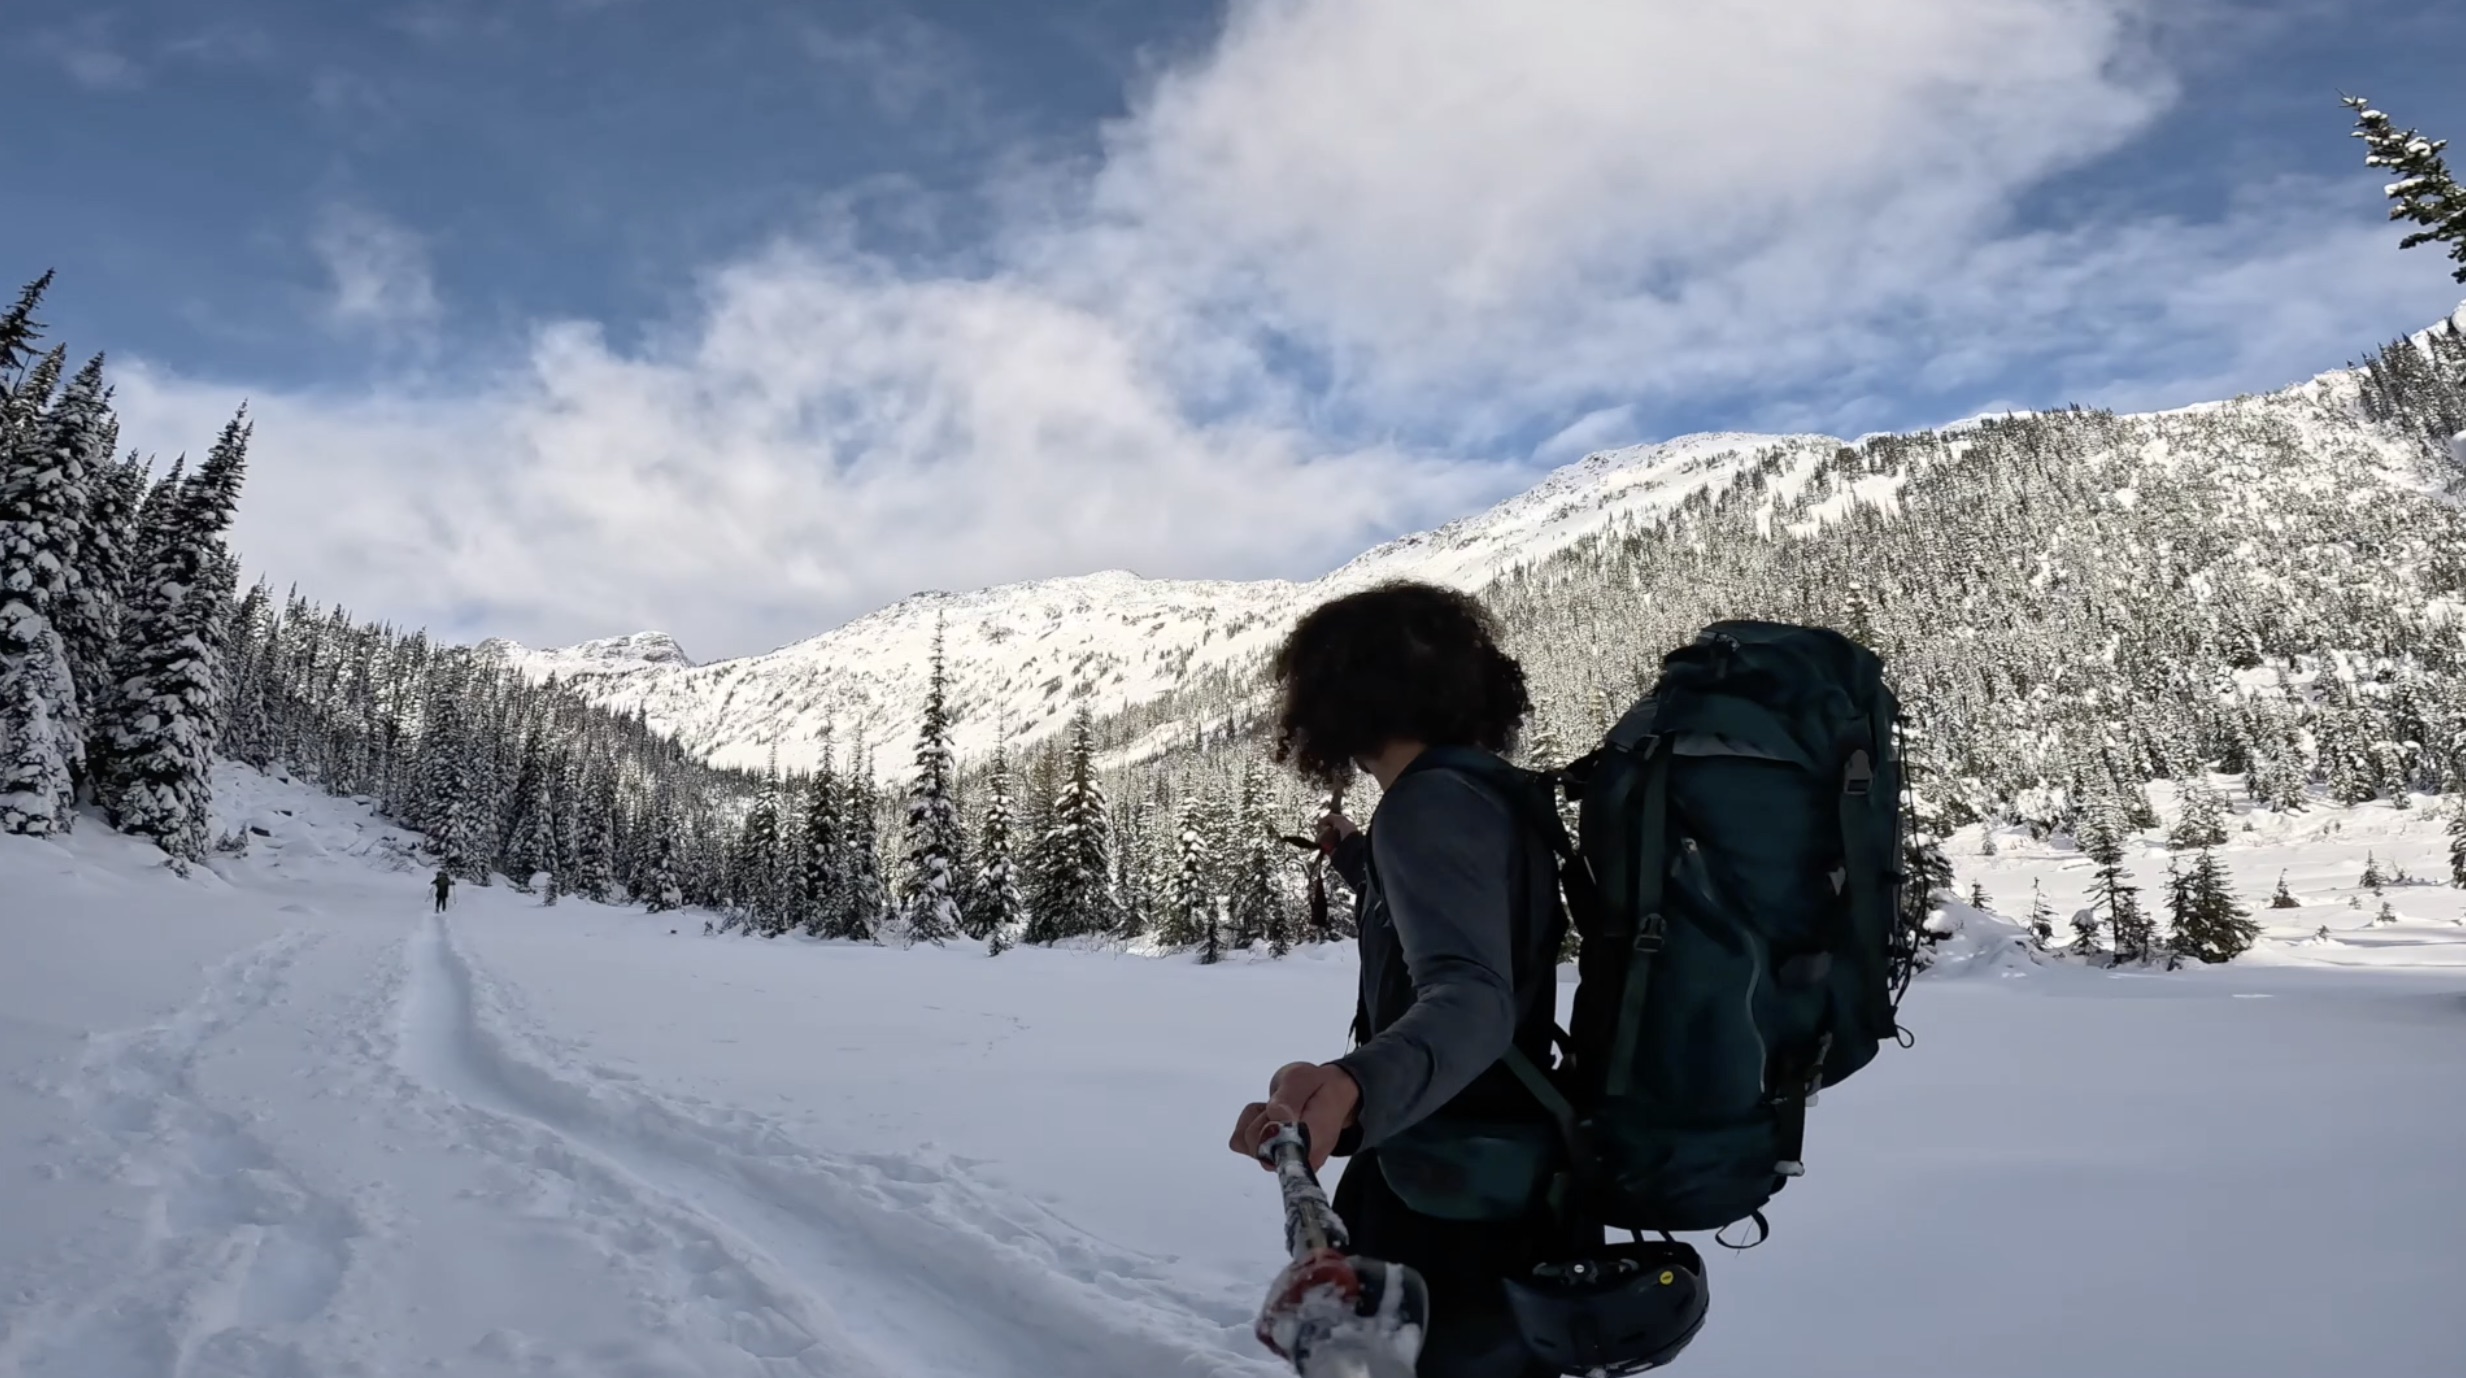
1627,1309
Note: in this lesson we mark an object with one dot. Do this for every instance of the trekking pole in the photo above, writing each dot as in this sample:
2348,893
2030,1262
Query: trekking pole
1331,1314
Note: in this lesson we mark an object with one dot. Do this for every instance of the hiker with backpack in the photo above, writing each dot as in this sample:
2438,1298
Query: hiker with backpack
1736,895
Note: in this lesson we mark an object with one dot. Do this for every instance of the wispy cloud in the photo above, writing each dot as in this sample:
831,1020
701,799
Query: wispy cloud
90,53
1328,279
903,65
379,280
95,54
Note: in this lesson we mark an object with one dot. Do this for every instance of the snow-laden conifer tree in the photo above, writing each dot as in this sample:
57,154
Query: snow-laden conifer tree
530,834
995,911
2111,890
933,878
595,833
758,861
157,729
249,680
1261,909
2206,925
2041,918
2426,193
1073,869
1190,915
2203,822
869,902
19,330
90,622
83,433
452,801
822,892
42,511
1133,869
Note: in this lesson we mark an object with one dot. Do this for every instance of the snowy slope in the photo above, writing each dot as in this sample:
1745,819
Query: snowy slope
277,1121
1019,653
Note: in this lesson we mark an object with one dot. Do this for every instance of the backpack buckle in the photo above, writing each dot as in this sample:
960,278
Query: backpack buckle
1648,935
1858,777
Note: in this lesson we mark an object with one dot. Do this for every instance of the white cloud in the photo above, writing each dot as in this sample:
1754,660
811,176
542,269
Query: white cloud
1353,241
830,439
378,272
89,54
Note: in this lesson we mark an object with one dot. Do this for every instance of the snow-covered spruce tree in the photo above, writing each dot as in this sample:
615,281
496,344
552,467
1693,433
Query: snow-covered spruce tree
660,889
564,826
595,834
2128,928
869,904
2457,841
248,719
2426,193
83,433
2373,877
822,897
157,729
1134,869
90,623
19,330
2041,918
453,805
1190,912
1261,910
1073,866
2203,821
2206,925
933,877
43,484
530,833
995,912
758,861
2279,777
2085,930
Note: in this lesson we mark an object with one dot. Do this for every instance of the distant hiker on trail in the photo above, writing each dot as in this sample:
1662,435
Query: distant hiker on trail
1460,928
444,886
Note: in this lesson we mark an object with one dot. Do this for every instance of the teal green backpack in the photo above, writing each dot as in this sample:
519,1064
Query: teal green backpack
1736,888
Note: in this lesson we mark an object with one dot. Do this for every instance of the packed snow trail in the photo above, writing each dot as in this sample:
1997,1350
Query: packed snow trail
839,1267
274,1120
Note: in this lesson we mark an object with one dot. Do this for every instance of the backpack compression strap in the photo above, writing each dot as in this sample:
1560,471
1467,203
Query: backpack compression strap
1644,944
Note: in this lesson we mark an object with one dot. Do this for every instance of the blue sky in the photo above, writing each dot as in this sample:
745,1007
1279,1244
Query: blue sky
739,318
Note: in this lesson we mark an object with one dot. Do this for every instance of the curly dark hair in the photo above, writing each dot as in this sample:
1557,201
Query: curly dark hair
1399,662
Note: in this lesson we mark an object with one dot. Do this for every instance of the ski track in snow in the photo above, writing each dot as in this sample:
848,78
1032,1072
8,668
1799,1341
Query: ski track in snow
809,1264
233,1248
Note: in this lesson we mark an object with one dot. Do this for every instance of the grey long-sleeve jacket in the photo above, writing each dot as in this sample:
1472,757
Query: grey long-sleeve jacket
1449,898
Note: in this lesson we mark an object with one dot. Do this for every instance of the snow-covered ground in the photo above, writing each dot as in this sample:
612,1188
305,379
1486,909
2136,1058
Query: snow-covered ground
277,1120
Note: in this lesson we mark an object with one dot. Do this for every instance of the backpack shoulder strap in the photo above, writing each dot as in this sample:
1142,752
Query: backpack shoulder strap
1524,792
1527,795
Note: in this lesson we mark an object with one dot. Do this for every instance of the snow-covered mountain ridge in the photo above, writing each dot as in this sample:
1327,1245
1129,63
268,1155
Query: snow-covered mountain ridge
1021,655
